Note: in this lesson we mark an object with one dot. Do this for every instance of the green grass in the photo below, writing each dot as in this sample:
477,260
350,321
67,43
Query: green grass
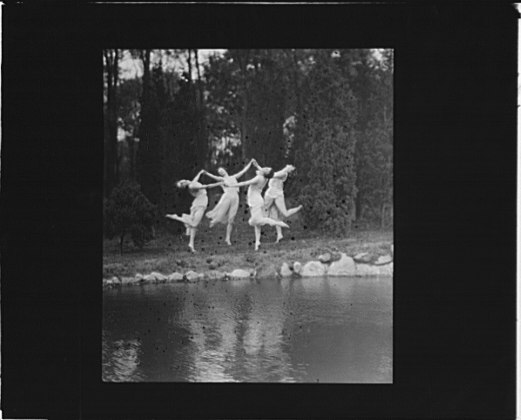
168,252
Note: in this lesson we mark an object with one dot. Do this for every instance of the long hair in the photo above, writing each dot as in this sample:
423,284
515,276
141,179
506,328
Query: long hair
269,175
182,183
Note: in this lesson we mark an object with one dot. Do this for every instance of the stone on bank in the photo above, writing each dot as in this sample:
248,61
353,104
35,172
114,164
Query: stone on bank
297,267
285,271
345,266
193,276
384,259
239,274
366,270
265,271
313,269
175,277
215,275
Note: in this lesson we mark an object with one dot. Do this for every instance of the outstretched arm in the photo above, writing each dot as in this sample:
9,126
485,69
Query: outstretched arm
196,179
245,169
203,187
249,182
256,164
284,171
217,178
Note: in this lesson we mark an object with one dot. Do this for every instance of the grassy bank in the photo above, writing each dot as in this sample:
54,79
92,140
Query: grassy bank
168,252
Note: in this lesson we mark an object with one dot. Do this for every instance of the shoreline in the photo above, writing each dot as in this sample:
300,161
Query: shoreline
326,265
166,258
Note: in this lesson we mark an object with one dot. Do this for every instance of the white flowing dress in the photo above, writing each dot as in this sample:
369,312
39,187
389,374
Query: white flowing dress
226,209
275,190
256,203
198,207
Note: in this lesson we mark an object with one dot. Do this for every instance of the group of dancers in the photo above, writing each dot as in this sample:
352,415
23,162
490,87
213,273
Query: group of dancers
267,210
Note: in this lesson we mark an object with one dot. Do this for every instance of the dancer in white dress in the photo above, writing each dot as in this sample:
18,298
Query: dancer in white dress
226,209
192,220
274,201
258,217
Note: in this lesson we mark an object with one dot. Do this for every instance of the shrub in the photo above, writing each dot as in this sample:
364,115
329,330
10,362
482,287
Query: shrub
128,211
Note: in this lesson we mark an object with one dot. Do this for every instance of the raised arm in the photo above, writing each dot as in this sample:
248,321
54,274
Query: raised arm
283,172
249,182
256,164
244,170
217,178
196,179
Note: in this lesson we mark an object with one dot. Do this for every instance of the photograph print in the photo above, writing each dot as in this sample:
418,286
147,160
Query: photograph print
248,215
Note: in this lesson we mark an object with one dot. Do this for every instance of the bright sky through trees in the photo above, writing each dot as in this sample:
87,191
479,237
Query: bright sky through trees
131,68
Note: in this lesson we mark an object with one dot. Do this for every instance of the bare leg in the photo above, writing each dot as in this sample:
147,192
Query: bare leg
281,206
185,219
279,234
192,238
271,222
257,237
229,228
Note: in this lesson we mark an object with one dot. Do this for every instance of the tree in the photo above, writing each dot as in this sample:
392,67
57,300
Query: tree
374,154
149,148
129,106
127,211
111,71
325,153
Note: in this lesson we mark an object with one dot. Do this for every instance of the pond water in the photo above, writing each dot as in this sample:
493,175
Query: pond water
291,330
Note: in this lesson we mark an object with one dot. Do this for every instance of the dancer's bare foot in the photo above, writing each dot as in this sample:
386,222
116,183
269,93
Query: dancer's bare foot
192,249
282,224
279,238
257,245
299,207
228,242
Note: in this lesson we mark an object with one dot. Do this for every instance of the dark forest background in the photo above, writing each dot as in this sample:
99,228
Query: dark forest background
169,113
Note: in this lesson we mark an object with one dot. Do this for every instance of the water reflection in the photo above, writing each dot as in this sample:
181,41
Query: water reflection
124,360
306,330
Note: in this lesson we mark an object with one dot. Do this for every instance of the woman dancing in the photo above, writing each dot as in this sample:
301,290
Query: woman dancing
256,202
192,220
226,209
274,202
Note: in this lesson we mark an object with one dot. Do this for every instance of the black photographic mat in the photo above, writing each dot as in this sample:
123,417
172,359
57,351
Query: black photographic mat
454,216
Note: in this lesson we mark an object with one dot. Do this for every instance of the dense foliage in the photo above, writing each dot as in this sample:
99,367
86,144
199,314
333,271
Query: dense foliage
128,212
330,112
326,144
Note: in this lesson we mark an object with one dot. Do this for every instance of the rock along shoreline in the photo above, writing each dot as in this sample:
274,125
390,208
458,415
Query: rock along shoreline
328,264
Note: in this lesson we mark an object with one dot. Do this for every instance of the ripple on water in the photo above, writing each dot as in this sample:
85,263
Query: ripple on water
290,330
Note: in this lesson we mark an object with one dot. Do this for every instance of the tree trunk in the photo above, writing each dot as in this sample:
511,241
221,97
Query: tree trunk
296,92
385,206
190,75
199,87
243,63
143,149
201,116
115,70
111,152
132,157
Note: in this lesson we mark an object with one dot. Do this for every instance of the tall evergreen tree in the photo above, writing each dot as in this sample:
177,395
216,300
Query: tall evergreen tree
325,153
111,73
